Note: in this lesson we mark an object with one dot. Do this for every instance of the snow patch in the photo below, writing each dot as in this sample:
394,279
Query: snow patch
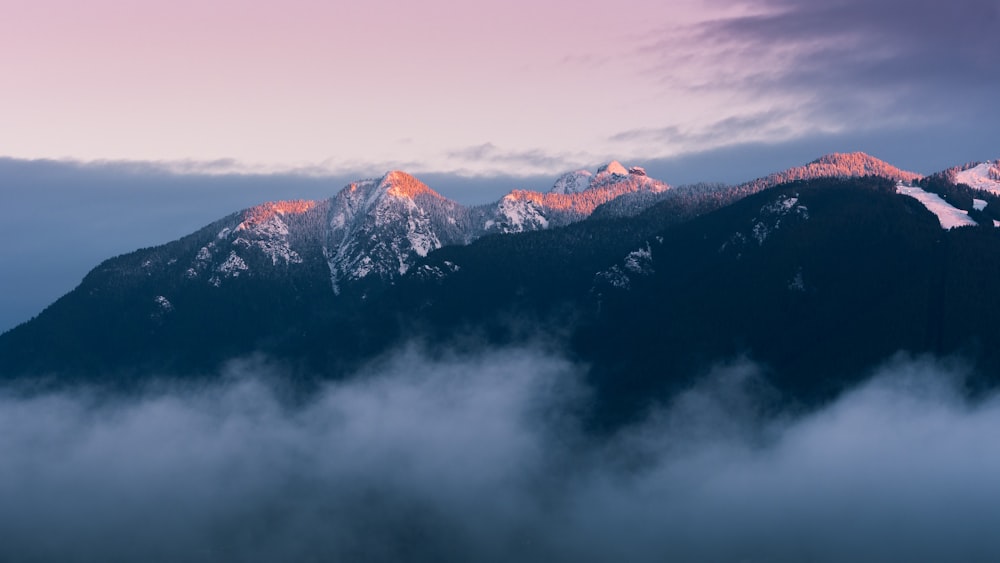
232,266
165,305
428,272
771,215
615,277
638,262
520,215
270,236
797,283
979,204
204,254
984,176
572,182
421,237
948,215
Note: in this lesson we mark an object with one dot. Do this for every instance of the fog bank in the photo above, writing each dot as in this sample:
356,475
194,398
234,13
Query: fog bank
481,457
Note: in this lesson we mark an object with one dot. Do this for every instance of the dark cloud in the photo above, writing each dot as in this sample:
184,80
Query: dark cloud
479,457
926,58
847,65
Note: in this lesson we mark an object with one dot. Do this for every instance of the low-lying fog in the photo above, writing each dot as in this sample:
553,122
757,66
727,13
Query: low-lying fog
480,457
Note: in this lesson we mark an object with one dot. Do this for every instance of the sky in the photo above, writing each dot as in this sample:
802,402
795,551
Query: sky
479,88
127,123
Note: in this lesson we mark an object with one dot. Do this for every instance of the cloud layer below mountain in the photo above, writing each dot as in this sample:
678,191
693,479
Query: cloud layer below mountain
481,456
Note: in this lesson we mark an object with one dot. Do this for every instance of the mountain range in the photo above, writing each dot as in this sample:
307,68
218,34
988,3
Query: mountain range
818,272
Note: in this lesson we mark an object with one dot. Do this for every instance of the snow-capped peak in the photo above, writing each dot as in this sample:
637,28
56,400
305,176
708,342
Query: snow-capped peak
380,227
613,168
572,182
982,176
401,184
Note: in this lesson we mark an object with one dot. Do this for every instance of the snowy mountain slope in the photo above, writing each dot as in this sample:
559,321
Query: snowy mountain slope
852,260
572,182
379,227
271,236
707,196
948,215
983,176
573,198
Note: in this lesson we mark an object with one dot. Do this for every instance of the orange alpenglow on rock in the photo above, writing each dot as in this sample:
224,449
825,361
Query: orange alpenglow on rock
265,211
403,185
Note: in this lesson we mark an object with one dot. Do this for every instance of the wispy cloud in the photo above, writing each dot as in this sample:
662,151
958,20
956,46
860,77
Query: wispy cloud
776,70
852,62
731,130
490,159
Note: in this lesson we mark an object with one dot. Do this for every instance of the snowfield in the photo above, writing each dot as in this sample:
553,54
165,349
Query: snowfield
948,215
980,178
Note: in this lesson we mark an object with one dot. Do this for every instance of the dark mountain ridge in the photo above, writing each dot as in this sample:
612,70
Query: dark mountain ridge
817,279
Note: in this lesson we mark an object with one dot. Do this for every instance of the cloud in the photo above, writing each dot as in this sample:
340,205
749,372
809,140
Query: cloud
728,131
480,456
910,57
835,67
489,159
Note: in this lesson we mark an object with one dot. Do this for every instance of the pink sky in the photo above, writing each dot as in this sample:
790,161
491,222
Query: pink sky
519,87
341,85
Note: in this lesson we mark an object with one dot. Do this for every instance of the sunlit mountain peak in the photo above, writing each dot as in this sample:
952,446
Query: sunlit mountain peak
400,184
613,168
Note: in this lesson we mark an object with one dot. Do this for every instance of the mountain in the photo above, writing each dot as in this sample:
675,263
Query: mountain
983,176
379,227
574,197
266,273
836,165
816,279
376,229
713,196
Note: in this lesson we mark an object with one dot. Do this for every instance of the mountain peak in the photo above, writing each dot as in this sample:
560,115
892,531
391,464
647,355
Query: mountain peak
265,211
572,182
857,164
978,175
845,157
836,165
613,168
400,184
